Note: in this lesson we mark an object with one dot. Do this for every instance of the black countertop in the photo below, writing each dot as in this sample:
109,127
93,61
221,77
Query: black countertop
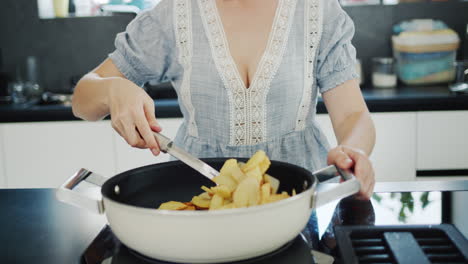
387,100
36,228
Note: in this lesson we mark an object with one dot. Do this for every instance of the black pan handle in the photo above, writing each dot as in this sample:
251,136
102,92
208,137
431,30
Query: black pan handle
68,192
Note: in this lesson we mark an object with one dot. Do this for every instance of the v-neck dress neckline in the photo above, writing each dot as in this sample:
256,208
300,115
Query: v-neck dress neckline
265,54
248,106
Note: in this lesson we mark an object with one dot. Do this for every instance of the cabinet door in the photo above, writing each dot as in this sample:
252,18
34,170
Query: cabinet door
44,155
128,157
394,155
2,161
442,140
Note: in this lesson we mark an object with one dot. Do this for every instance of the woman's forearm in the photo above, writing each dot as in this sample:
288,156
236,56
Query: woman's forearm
90,97
357,130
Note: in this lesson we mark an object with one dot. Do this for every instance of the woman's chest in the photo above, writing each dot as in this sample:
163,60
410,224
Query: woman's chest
247,26
218,46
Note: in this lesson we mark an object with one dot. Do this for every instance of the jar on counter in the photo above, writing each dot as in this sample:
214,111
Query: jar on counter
384,73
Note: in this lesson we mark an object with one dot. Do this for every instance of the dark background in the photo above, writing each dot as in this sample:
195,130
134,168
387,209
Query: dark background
71,47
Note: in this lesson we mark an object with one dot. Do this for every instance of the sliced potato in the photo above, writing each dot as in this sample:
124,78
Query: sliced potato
237,174
172,205
231,168
222,190
255,173
254,161
273,182
228,206
201,202
190,208
238,185
264,165
225,175
206,189
205,195
247,193
278,197
223,179
216,202
266,192
294,192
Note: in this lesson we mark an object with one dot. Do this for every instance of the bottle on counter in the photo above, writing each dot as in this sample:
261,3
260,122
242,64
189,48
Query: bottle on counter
33,91
61,8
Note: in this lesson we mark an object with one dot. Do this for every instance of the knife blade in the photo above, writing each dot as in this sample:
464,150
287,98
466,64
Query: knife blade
167,146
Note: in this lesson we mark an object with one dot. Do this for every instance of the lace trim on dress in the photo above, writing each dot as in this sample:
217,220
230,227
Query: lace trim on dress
313,21
183,34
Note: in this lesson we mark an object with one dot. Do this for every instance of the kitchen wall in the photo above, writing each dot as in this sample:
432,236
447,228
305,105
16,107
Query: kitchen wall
71,47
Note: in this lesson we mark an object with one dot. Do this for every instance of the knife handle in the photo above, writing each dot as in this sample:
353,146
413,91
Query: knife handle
164,142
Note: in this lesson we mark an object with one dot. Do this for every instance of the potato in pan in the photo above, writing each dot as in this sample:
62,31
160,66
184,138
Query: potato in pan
238,185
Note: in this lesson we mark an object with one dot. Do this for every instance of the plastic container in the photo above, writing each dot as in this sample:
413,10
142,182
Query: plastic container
426,57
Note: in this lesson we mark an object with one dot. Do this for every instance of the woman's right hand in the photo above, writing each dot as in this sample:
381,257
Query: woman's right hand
105,91
132,114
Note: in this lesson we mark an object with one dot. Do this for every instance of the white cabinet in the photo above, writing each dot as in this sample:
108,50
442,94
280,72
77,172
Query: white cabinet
2,157
44,155
442,140
128,157
394,153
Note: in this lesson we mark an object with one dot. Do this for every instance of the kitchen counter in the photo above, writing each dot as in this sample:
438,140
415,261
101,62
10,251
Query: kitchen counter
36,228
393,100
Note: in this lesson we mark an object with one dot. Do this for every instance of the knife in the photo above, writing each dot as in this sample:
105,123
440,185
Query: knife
166,145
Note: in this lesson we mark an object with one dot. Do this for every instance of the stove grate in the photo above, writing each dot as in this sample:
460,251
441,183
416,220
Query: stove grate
401,244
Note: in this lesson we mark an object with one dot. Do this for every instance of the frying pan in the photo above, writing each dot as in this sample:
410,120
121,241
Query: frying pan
130,199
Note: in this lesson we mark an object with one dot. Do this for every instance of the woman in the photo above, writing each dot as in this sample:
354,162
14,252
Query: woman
247,74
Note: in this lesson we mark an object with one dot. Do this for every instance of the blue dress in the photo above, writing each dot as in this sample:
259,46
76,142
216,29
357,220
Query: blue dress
183,41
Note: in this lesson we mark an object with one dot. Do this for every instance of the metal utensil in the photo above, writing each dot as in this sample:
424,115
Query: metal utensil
166,145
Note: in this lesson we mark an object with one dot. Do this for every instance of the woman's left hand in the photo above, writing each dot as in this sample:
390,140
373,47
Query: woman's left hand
358,162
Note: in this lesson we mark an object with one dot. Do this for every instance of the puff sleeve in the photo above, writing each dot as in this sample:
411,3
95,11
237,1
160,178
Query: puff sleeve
336,62
144,51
